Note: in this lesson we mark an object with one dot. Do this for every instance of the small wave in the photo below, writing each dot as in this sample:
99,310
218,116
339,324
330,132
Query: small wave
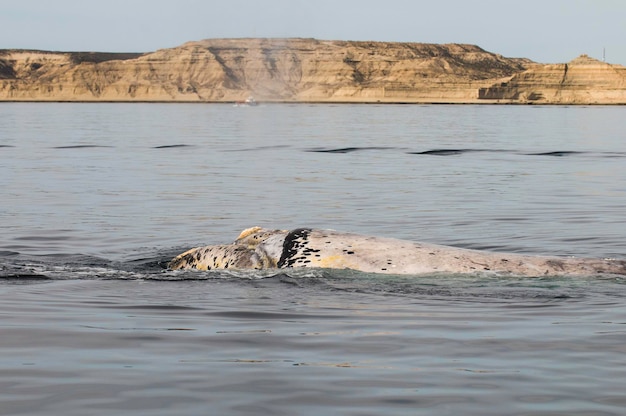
81,146
348,149
464,151
172,146
450,152
478,288
43,238
256,315
180,275
22,277
557,153
41,271
259,148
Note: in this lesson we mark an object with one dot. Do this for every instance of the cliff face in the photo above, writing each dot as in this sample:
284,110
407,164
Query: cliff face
268,69
306,70
582,81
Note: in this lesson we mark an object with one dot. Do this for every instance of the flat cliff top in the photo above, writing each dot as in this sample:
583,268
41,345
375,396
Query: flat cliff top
293,70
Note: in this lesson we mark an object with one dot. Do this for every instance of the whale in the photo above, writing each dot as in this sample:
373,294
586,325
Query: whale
257,248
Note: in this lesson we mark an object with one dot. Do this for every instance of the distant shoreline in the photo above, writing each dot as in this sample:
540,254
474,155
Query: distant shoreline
307,71
261,103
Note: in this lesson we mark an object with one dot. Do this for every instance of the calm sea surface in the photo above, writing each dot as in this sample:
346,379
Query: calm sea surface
96,198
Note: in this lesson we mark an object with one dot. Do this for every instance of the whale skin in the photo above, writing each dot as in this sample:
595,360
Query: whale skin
259,248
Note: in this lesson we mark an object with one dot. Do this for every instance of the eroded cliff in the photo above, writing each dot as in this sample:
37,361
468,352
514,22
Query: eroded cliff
268,69
583,80
306,70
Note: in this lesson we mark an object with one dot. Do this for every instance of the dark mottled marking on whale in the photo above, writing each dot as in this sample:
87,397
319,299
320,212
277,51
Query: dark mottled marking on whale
80,146
6,145
556,264
172,146
293,241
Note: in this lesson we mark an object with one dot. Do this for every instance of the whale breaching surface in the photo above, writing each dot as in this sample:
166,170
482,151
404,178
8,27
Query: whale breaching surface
258,248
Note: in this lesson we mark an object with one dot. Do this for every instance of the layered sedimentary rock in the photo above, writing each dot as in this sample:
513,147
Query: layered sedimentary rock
268,69
305,70
583,80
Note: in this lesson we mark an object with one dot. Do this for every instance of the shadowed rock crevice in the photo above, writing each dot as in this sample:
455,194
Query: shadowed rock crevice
6,70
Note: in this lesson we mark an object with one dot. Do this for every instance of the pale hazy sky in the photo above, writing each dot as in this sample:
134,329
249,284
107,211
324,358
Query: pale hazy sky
548,31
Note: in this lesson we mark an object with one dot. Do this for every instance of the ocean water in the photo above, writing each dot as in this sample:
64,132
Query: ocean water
96,198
